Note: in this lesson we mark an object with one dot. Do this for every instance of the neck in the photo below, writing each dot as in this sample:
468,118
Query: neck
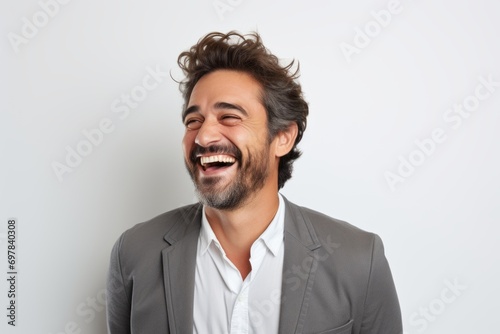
238,229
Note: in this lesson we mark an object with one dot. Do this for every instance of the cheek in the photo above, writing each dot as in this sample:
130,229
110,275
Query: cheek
253,139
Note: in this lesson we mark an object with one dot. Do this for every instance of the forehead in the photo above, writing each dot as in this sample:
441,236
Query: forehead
226,86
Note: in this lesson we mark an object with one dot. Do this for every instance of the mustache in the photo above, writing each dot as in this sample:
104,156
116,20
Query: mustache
214,149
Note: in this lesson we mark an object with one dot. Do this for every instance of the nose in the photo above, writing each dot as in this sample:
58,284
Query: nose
208,133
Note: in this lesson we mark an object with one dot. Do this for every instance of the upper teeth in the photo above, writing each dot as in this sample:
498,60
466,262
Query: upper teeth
216,158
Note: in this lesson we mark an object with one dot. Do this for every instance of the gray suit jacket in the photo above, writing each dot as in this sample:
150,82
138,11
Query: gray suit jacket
336,279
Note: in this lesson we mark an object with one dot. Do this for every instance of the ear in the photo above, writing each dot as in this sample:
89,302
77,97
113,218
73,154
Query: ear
285,139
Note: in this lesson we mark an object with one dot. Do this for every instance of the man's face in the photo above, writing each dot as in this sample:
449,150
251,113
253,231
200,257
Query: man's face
226,147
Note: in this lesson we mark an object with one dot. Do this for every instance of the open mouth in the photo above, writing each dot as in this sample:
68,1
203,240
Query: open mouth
216,161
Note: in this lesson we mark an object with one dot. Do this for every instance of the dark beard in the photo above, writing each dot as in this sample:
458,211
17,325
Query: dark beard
250,177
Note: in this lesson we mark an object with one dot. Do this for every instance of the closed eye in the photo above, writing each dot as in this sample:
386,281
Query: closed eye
230,119
192,123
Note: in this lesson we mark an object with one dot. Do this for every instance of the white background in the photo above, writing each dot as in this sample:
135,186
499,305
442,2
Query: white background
366,112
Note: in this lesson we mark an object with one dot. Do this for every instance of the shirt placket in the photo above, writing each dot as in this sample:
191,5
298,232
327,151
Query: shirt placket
239,318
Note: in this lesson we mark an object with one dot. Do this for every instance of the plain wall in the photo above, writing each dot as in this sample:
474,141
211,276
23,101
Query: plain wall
385,81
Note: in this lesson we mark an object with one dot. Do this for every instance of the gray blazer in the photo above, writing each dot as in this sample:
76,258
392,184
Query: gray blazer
336,279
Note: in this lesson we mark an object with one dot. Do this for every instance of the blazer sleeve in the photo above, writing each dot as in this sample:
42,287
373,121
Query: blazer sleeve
118,300
382,313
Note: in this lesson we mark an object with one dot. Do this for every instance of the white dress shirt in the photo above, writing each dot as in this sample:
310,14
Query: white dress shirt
223,301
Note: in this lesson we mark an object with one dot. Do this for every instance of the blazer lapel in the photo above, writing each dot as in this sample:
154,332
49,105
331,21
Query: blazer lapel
179,263
299,268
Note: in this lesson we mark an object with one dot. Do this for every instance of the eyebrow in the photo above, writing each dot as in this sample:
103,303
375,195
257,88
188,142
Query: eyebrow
217,105
225,105
189,110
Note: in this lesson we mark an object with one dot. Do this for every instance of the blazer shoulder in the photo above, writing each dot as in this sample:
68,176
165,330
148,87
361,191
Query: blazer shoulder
347,246
166,221
156,232
323,223
326,229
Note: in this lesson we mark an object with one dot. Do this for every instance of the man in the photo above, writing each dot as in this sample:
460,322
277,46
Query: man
245,259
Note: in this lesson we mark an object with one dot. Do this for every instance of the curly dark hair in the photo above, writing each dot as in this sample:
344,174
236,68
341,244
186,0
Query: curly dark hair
282,94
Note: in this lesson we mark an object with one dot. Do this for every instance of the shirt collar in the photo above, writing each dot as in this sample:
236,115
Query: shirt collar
272,237
207,235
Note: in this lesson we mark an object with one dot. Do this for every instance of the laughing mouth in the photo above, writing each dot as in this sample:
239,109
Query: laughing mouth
216,161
